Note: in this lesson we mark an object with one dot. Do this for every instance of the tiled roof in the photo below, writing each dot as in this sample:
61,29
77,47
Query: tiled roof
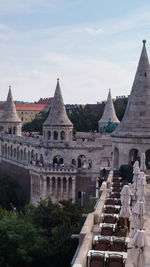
28,107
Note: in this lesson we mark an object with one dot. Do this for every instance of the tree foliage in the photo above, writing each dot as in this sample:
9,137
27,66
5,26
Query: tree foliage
84,120
39,236
35,125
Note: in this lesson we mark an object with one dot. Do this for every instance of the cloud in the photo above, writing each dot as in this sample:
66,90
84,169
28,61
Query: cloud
90,30
82,80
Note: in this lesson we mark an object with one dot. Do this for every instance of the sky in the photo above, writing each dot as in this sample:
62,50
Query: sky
90,46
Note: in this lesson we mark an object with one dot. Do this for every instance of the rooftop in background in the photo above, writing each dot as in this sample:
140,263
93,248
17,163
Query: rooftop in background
46,101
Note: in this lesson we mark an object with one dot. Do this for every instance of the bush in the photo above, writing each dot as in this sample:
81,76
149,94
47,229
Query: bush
126,172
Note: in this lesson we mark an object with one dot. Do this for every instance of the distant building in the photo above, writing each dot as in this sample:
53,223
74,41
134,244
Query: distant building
27,112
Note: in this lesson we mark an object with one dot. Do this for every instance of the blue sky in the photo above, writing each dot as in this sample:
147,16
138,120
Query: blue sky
90,45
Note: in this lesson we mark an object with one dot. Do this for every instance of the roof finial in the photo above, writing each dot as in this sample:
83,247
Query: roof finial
144,42
57,79
9,87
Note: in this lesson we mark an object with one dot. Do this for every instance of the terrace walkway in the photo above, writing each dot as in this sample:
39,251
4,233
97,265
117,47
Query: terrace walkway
91,228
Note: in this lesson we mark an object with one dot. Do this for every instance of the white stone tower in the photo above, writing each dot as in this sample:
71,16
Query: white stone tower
9,121
109,113
57,127
132,137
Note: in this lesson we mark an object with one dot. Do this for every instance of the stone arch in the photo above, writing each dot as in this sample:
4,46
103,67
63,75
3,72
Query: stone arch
55,135
57,161
62,135
89,164
47,186
15,153
18,154
133,155
14,130
11,151
64,186
5,150
21,155
36,156
8,151
9,130
59,188
81,161
24,154
41,185
53,185
116,158
70,187
32,154
147,162
48,135
29,157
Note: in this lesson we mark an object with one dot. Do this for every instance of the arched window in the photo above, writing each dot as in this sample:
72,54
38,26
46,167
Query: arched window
58,161
55,134
48,135
14,130
10,130
62,135
81,161
73,162
133,155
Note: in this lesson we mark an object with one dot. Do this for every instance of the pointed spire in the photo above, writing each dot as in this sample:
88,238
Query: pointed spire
136,121
9,112
109,113
57,115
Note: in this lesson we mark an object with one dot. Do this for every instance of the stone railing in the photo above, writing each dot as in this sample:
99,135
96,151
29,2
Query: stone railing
20,139
54,170
92,220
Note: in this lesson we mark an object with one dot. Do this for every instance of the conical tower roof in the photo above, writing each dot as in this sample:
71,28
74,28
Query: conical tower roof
9,112
136,121
109,113
57,115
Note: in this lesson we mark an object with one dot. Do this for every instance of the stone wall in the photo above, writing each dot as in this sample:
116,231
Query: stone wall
21,175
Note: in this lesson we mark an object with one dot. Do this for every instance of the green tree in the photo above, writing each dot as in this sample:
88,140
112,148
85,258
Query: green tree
84,120
21,244
36,124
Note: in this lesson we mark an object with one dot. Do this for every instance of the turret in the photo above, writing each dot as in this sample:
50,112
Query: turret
136,120
57,126
9,121
109,115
